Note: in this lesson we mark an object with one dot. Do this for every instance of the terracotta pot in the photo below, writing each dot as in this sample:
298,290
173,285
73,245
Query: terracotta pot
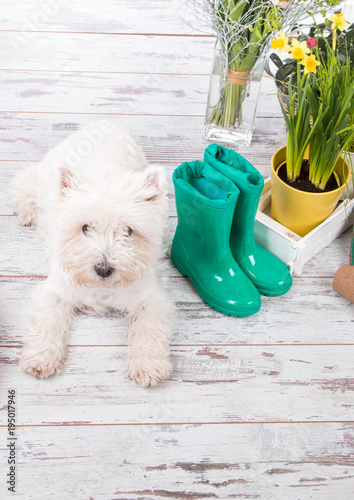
297,210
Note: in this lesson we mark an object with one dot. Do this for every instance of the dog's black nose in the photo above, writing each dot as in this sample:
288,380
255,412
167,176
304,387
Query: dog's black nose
104,270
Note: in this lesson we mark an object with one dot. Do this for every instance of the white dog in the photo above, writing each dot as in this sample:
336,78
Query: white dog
101,212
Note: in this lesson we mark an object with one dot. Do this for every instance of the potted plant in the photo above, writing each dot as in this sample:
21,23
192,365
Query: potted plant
309,174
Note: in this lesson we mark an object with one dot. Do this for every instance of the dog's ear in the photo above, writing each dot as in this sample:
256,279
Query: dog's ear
154,183
68,180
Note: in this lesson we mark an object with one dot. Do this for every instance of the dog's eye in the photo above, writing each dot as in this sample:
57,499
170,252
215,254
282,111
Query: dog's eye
129,231
85,228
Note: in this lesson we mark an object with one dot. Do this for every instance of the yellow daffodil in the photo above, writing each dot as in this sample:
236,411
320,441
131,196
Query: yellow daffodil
338,22
310,64
298,49
281,43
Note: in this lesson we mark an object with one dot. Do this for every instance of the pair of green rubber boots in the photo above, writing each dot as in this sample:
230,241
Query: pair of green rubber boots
216,201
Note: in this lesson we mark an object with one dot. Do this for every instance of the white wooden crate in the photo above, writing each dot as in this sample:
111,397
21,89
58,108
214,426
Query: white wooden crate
291,248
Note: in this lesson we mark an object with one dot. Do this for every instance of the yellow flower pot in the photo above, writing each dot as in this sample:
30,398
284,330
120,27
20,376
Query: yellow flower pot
298,210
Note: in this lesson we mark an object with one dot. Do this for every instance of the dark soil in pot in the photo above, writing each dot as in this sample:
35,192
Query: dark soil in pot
303,183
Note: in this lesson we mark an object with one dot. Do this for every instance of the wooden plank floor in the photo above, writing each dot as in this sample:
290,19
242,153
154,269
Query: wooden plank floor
259,407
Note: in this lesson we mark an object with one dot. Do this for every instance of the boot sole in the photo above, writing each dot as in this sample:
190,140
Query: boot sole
229,312
275,292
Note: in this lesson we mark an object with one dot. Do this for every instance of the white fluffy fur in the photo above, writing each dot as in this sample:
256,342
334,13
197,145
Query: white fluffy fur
96,202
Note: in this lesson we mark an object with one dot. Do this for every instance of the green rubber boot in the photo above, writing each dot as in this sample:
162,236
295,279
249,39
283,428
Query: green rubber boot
267,272
205,202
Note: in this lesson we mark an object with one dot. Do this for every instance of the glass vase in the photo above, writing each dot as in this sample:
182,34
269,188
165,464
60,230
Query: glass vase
233,96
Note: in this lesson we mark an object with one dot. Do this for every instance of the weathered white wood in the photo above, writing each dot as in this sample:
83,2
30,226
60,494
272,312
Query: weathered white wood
288,246
21,252
292,461
109,16
164,139
224,384
325,318
104,93
110,93
108,53
276,386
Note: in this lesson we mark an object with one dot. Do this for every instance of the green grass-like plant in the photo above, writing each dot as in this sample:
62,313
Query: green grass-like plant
299,122
335,133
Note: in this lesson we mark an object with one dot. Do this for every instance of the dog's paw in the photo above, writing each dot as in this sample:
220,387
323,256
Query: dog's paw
24,218
41,364
148,370
25,210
